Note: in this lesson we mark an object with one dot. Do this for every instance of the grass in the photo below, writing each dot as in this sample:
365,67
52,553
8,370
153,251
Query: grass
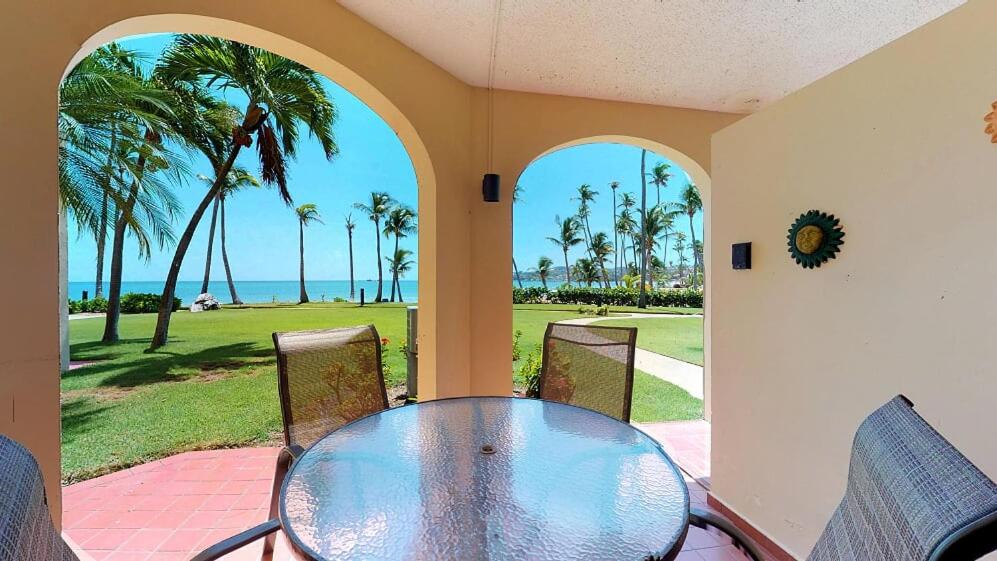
680,338
214,385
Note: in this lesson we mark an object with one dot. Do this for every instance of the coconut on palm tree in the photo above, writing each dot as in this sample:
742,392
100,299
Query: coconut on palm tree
400,223
544,265
307,213
567,237
350,226
399,264
376,209
690,203
283,97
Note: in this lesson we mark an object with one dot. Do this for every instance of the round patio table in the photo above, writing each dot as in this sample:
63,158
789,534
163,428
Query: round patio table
491,478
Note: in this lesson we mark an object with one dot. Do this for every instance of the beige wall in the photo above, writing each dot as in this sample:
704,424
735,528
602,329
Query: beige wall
893,145
464,244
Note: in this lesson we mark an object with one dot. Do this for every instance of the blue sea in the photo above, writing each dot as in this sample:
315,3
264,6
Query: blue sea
258,292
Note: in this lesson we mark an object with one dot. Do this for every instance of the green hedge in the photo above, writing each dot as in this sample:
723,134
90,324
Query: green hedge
617,296
131,303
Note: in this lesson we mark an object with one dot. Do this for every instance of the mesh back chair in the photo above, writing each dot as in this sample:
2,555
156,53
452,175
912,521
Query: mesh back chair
326,378
589,366
911,496
26,530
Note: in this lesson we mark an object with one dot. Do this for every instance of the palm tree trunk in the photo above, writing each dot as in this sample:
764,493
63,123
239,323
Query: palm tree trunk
567,269
117,257
695,256
664,254
228,270
515,269
588,240
398,282
349,234
303,296
211,242
101,242
394,271
161,335
380,270
616,245
642,302
543,279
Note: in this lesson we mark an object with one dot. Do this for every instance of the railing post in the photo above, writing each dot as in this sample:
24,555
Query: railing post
412,352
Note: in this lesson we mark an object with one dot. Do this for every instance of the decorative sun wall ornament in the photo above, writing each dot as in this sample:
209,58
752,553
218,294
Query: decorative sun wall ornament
991,120
814,238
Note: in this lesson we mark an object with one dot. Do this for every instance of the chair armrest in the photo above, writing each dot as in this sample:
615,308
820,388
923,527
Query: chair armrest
237,541
701,519
294,451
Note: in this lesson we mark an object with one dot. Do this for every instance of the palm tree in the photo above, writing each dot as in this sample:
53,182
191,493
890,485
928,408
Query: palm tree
307,213
614,185
668,215
566,239
586,195
401,223
690,204
544,265
654,229
586,271
517,197
642,302
697,253
601,249
283,96
380,205
237,179
660,177
350,226
627,203
679,248
399,265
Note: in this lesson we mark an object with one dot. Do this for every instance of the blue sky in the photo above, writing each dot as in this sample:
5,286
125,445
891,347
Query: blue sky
262,231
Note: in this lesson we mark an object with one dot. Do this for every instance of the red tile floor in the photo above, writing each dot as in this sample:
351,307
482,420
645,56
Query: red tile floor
172,508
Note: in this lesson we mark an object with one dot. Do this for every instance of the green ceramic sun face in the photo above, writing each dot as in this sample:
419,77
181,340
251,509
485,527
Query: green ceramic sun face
814,238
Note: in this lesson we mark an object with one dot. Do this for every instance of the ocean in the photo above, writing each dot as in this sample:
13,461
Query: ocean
258,292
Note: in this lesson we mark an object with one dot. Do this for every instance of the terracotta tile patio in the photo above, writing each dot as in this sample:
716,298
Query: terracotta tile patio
170,509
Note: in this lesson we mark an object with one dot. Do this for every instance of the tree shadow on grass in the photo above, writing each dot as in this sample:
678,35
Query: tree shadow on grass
166,366
79,416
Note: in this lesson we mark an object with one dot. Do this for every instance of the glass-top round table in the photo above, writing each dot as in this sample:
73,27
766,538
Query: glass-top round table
491,478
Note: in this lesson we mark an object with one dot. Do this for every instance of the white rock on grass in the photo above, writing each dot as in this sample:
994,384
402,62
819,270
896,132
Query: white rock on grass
204,302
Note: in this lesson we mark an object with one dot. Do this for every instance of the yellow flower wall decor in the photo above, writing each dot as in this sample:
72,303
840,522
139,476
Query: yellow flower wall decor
991,120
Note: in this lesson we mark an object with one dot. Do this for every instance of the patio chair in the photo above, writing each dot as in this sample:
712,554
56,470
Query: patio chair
589,366
26,530
910,496
325,378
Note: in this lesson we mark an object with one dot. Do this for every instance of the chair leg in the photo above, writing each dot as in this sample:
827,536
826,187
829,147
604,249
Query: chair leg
703,519
283,463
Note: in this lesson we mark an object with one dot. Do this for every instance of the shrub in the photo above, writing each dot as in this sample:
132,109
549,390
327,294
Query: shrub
616,296
93,305
516,351
143,303
529,371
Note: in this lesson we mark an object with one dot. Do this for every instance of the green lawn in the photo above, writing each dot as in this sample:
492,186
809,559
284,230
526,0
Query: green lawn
214,385
680,338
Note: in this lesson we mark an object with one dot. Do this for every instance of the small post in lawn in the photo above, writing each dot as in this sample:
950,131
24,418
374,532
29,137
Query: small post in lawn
361,298
412,354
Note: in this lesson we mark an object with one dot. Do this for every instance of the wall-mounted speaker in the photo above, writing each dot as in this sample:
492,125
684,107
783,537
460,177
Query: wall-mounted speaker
740,255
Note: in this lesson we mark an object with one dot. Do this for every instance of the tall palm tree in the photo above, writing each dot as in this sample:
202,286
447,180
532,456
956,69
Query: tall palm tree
642,301
283,97
350,226
379,206
586,271
544,265
601,248
517,197
400,223
566,239
399,265
669,213
614,185
654,229
307,213
690,203
660,177
679,248
237,179
586,196
626,224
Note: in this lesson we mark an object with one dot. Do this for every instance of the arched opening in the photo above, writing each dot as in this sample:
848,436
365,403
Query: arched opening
124,406
577,255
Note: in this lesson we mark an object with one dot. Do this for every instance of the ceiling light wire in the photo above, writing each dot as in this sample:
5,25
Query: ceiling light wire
491,82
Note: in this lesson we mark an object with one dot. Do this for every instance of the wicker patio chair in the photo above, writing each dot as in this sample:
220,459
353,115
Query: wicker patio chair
326,378
26,530
910,496
589,366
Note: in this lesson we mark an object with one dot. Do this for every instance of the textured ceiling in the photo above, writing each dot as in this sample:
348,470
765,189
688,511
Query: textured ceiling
724,55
